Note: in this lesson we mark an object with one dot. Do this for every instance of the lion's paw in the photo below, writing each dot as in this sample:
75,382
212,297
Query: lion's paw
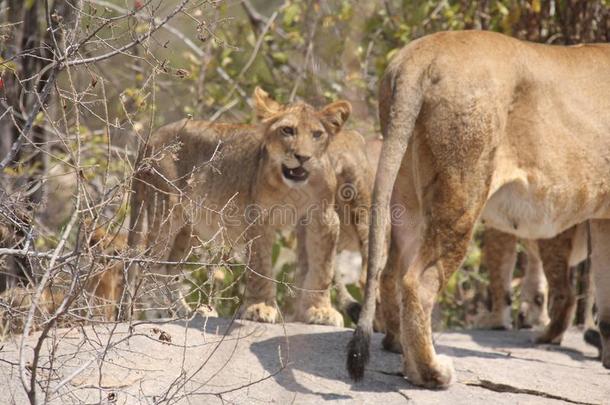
438,375
207,311
532,316
324,316
260,312
391,343
494,321
549,336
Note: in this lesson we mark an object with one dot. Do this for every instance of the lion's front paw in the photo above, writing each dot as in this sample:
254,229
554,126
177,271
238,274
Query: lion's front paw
495,321
324,316
260,312
438,375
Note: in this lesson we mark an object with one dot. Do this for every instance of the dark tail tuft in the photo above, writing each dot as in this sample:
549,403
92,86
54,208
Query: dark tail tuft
353,311
358,353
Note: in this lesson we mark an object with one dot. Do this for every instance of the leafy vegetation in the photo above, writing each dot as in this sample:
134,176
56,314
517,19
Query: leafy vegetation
205,63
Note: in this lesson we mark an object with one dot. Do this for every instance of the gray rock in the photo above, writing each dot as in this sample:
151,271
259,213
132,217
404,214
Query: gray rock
293,363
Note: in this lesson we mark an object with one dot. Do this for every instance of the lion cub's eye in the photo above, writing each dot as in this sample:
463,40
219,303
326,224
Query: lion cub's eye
288,131
317,134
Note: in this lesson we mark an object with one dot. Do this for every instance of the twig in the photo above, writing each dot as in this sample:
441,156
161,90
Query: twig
58,65
32,310
308,52
186,40
256,18
223,109
259,42
43,97
135,42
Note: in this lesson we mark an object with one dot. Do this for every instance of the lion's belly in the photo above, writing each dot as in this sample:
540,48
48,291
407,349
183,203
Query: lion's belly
216,231
237,224
542,209
518,212
216,221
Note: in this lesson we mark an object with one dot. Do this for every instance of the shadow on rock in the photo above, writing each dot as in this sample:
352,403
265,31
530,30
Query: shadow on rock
312,357
521,339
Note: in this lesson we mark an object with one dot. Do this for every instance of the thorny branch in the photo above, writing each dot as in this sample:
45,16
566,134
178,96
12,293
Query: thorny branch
94,205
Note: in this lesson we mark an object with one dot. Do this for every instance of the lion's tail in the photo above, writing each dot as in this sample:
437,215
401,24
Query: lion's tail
400,101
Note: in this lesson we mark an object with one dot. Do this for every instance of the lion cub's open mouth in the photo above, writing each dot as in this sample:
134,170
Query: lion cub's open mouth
296,174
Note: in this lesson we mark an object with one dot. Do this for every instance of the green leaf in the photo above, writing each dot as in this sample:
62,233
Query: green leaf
291,14
275,252
536,6
502,8
279,57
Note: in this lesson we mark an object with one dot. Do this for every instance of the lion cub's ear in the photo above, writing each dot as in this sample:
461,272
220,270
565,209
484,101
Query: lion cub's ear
264,105
335,114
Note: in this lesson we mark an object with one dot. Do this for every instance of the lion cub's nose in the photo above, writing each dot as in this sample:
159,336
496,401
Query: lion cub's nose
301,158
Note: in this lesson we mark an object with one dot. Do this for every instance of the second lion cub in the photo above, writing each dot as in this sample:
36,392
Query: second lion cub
237,185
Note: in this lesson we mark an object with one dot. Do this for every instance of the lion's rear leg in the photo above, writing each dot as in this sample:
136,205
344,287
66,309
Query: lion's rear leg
555,254
600,266
499,255
154,285
451,213
390,302
405,239
363,234
180,251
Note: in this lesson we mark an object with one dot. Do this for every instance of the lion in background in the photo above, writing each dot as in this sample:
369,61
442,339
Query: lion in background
199,184
97,296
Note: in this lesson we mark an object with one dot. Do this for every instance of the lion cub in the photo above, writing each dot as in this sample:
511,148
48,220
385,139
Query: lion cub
202,183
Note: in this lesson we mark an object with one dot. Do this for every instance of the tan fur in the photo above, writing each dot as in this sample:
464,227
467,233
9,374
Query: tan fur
205,183
562,253
533,303
101,292
499,257
105,288
512,132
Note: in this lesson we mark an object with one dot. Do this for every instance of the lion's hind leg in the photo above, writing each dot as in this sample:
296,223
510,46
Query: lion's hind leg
600,265
404,243
154,286
390,301
453,167
451,214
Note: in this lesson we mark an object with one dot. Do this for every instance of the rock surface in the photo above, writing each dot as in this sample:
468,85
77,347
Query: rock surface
292,363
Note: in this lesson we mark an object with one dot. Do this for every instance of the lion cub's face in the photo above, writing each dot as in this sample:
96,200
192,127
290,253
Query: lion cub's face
297,135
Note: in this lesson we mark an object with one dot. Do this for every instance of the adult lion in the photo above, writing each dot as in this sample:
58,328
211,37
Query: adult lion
481,125
202,183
